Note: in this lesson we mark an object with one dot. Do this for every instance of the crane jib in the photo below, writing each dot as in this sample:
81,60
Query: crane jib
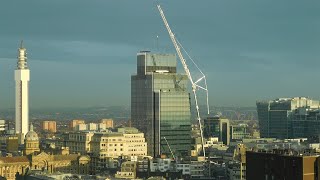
187,71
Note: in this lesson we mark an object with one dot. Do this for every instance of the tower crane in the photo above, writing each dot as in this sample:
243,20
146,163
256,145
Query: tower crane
194,84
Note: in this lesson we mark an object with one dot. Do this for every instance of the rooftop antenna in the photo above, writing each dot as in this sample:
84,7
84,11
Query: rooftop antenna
158,43
21,44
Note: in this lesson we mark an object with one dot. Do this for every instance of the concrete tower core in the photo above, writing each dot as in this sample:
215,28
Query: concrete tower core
22,77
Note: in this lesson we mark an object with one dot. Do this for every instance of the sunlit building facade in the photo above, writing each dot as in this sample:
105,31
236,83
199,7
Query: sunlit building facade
50,126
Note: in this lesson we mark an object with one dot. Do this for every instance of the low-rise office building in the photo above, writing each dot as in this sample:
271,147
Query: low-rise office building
106,147
282,164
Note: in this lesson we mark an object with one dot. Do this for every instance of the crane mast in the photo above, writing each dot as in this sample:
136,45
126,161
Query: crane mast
169,148
187,71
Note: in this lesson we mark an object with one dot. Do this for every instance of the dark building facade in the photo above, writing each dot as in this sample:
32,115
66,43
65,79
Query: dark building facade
217,127
160,104
278,165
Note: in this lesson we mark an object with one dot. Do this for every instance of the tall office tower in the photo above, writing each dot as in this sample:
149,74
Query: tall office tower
289,118
160,104
22,77
217,127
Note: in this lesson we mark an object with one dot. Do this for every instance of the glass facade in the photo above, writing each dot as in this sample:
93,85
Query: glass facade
289,118
160,104
217,127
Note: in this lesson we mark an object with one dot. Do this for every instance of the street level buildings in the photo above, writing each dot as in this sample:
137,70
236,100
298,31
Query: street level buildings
160,104
22,77
36,161
289,118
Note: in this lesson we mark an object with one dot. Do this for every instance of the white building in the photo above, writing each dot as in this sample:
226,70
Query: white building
184,167
22,77
162,165
2,125
107,147
91,127
121,143
79,142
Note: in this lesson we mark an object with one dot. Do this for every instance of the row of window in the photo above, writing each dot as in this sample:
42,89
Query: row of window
111,145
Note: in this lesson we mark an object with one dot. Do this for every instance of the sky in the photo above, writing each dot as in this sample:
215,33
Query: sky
82,53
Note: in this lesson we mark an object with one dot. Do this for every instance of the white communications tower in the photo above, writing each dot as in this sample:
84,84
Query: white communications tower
22,77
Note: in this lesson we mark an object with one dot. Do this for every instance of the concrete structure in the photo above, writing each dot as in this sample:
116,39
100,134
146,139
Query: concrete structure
50,126
12,143
238,132
281,165
217,127
161,164
107,147
75,122
107,122
197,169
79,142
211,142
236,168
91,127
160,104
184,168
128,170
9,143
80,127
115,144
2,126
289,118
22,77
143,164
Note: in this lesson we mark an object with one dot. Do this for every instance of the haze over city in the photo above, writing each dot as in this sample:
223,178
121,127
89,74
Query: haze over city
82,53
